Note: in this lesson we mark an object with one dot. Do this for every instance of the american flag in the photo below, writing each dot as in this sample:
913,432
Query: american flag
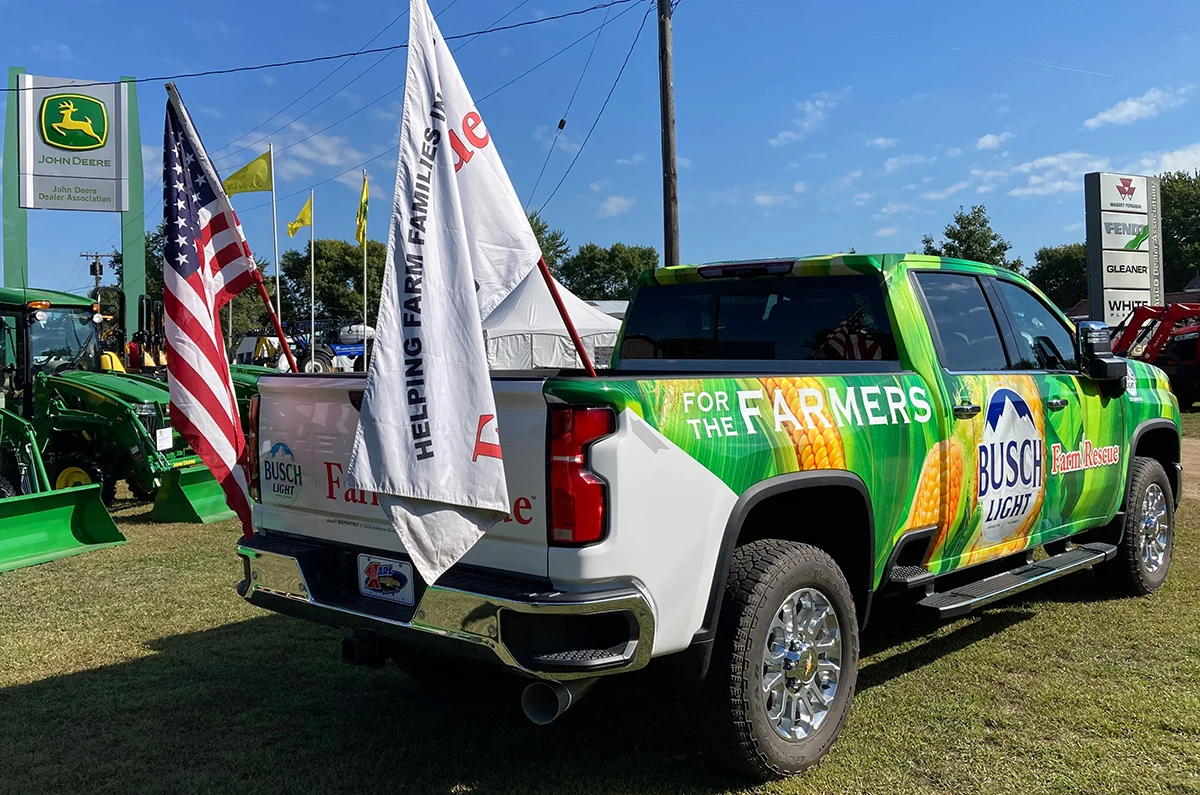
206,263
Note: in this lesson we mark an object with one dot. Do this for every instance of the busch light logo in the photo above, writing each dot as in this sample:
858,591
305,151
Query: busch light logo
281,475
1011,470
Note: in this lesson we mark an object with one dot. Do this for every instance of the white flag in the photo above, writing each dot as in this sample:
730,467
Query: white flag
427,439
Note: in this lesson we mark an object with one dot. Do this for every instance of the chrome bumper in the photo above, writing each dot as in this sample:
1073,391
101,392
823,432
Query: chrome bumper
276,580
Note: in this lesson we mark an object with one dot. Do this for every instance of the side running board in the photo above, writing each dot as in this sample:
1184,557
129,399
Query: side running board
963,599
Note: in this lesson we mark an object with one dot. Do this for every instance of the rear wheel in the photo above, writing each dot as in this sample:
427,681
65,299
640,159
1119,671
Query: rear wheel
141,493
1148,543
83,469
315,362
787,657
6,489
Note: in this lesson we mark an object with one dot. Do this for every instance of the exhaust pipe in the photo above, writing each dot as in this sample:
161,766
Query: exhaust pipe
544,701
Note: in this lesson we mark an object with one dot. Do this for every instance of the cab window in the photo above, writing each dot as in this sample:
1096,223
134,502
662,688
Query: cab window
962,322
1043,342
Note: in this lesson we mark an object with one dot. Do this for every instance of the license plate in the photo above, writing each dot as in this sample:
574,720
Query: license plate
163,439
382,578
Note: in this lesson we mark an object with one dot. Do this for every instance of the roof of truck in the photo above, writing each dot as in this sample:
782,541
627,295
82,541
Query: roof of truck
10,296
819,265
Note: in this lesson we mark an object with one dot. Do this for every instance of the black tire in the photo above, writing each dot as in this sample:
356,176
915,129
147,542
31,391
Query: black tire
1131,573
77,469
315,362
6,489
762,576
140,494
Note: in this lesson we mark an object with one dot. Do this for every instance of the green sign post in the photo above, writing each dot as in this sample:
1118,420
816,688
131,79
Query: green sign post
73,145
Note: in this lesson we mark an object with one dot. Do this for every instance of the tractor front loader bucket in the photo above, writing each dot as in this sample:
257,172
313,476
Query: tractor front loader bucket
35,528
192,495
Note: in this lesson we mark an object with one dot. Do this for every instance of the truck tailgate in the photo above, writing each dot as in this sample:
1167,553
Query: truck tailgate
306,430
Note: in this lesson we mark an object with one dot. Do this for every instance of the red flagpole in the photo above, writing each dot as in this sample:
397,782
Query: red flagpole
562,311
266,299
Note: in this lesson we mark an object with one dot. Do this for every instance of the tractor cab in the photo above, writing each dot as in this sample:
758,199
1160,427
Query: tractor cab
44,332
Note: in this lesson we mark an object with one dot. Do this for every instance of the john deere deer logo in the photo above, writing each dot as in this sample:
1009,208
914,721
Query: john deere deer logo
74,121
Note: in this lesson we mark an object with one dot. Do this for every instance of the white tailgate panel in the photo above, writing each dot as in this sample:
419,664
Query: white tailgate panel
306,431
667,517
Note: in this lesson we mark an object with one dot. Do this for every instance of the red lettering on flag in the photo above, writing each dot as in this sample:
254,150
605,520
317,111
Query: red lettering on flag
482,448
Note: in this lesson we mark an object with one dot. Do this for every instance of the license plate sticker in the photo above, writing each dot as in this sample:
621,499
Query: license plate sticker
164,439
382,578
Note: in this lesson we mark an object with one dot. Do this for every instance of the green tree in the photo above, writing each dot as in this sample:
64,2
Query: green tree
338,288
1180,228
1061,273
552,242
596,273
970,236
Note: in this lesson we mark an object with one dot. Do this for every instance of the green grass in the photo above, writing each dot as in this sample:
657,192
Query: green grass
138,669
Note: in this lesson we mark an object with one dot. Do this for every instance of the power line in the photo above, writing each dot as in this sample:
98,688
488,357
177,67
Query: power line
587,137
320,58
562,122
938,45
1131,16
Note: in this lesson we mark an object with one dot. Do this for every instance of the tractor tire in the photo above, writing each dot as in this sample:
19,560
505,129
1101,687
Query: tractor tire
6,489
81,469
785,660
1148,543
141,494
318,361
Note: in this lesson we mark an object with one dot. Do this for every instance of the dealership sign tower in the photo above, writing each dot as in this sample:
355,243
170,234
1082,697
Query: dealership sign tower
1124,244
72,145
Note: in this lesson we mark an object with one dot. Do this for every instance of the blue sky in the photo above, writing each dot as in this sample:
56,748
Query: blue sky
802,127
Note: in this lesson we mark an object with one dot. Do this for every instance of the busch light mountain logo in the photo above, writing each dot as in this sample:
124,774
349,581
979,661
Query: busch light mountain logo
1011,467
281,475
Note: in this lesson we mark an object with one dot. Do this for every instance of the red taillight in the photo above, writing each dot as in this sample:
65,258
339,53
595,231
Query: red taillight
578,498
252,450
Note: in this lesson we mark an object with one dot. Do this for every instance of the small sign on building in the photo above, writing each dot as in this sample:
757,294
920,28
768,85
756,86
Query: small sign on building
1124,244
72,143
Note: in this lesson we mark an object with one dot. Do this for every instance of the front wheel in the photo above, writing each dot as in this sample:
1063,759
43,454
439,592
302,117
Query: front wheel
83,469
787,657
1144,555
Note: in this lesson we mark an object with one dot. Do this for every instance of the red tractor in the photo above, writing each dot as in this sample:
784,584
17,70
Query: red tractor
1169,338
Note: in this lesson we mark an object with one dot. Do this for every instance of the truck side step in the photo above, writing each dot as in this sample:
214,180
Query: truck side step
965,598
910,576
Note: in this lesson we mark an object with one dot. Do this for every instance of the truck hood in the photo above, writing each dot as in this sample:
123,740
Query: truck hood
129,388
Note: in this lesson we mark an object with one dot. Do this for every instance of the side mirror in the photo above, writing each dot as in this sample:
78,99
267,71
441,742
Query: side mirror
1096,359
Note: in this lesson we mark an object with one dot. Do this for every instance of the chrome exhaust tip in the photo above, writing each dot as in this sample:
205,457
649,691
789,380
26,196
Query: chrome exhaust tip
544,701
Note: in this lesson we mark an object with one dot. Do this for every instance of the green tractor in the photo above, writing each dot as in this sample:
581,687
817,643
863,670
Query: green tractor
93,426
38,524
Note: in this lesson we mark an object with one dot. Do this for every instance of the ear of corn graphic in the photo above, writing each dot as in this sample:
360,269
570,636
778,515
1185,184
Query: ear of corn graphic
818,447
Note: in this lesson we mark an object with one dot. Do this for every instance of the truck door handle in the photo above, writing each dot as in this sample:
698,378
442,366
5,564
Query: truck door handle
966,411
1055,404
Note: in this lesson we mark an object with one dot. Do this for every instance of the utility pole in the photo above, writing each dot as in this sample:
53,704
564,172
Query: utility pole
97,267
666,93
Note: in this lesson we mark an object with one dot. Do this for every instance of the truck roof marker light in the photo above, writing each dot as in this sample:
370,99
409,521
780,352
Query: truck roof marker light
746,270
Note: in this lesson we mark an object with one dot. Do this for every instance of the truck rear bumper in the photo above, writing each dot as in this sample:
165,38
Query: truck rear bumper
523,624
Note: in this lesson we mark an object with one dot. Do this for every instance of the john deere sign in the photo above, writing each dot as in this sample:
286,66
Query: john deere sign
73,146
1123,244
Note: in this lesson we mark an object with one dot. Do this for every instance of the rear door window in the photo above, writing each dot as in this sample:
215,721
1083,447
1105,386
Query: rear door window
837,318
962,322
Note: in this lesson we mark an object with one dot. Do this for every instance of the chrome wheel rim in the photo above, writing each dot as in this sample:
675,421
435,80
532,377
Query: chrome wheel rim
1155,531
801,665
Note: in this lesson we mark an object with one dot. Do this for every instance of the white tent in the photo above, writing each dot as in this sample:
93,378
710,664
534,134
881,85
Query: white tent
526,331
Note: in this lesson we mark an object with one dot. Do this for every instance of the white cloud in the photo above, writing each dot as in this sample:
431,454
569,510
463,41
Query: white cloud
391,113
599,185
883,143
887,231
683,162
630,161
813,112
999,95
353,181
955,152
862,198
988,174
1146,106
615,205
324,150
1075,227
289,169
847,180
991,141
985,189
799,187
771,199
1052,174
1185,159
944,192
816,156
503,51
151,163
891,208
894,164
55,52
564,143
1003,109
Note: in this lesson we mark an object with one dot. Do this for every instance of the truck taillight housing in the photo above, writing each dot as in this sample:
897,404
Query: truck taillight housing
252,450
578,497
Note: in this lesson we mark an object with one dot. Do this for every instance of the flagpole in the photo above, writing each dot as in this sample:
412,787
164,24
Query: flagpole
231,321
275,232
312,280
566,318
366,361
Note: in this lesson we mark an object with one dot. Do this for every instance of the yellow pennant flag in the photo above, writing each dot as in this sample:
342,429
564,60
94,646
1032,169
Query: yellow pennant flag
302,220
253,177
360,233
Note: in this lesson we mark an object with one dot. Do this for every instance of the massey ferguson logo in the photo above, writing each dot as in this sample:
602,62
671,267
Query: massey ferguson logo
1125,187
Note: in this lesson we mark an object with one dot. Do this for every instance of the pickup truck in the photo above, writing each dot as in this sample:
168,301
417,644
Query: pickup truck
779,445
